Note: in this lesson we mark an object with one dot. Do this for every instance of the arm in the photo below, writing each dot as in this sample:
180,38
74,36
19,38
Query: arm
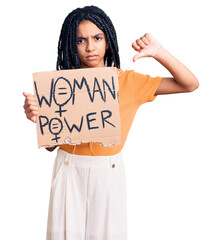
31,111
183,79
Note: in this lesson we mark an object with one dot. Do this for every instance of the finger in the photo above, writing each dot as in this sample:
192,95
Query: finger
29,103
137,56
148,36
25,94
135,46
31,117
32,114
140,43
30,99
28,96
145,40
31,108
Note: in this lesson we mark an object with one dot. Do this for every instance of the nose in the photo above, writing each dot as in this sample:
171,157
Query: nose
90,46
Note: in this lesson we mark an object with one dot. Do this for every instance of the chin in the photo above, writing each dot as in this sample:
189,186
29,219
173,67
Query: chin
92,65
98,62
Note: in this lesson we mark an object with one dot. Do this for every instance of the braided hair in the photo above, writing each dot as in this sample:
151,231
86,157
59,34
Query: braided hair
67,47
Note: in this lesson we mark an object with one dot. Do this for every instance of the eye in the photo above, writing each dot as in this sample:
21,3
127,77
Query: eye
98,38
80,40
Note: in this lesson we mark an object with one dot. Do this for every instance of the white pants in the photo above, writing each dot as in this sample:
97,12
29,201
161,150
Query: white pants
88,198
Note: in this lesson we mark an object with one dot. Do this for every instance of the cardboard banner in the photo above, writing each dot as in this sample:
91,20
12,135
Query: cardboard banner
79,105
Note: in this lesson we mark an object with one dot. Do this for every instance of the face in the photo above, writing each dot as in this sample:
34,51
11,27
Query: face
91,44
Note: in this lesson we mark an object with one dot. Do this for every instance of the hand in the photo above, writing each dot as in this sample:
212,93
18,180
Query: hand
147,46
30,106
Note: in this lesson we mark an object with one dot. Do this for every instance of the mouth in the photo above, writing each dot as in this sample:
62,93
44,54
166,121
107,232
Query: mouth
91,57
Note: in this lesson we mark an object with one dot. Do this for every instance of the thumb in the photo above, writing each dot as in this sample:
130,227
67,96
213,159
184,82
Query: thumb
137,56
25,94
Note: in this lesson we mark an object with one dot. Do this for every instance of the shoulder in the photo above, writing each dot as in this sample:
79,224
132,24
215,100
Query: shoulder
123,74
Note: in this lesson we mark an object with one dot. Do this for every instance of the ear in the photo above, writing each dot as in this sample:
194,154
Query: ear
107,45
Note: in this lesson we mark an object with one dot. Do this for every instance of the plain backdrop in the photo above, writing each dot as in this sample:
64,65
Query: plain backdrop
173,151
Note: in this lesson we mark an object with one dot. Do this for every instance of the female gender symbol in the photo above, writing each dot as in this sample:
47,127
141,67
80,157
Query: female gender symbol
55,127
62,93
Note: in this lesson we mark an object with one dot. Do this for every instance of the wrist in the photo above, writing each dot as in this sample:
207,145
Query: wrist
160,53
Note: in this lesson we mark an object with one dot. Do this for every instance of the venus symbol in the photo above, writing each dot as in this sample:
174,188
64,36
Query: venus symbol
62,93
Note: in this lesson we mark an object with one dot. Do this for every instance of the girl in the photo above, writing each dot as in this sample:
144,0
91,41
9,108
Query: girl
88,191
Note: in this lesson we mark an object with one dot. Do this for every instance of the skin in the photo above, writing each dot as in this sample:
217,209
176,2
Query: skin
183,79
92,46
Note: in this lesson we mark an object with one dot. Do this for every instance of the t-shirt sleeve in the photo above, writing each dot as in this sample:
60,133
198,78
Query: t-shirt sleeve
145,87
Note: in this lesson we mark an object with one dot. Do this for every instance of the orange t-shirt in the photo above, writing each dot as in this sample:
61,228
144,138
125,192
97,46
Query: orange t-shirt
134,90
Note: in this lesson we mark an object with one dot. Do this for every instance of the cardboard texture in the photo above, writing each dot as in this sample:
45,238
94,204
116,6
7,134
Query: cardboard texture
79,105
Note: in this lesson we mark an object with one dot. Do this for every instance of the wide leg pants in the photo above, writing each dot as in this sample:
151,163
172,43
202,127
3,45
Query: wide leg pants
88,198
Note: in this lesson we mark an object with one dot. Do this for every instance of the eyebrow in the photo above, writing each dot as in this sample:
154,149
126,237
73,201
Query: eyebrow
98,34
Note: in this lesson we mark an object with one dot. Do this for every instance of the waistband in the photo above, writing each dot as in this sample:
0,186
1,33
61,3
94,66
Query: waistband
85,160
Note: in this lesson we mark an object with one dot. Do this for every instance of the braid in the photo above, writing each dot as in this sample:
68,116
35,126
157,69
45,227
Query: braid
67,47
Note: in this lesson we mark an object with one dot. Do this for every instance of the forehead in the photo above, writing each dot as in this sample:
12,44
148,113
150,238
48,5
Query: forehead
88,28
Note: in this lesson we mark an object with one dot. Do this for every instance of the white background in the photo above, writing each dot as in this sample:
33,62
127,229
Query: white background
173,151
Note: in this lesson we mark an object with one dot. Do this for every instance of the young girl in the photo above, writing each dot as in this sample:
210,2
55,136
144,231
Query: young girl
88,191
